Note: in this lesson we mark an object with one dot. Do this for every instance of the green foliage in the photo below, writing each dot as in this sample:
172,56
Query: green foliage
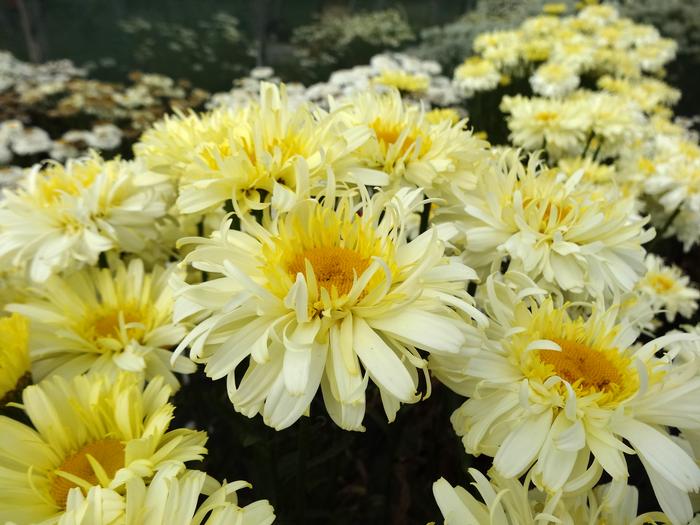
210,46
339,39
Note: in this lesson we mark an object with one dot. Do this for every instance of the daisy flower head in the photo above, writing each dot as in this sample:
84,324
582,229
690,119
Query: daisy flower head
271,153
565,397
86,432
555,228
331,296
654,55
476,74
443,158
593,172
615,121
170,145
170,498
501,48
63,217
15,367
502,502
560,127
649,94
510,502
106,320
673,184
554,79
403,81
668,289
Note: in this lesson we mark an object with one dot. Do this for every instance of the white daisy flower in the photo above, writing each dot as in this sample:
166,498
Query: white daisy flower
553,79
329,297
170,498
64,217
89,432
560,229
106,320
565,398
669,289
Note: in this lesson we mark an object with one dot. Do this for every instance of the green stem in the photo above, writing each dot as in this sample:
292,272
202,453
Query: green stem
660,233
425,217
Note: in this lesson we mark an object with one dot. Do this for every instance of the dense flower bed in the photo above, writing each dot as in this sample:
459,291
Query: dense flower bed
498,245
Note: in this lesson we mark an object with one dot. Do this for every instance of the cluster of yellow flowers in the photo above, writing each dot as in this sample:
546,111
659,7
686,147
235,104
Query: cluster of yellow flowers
299,252
598,103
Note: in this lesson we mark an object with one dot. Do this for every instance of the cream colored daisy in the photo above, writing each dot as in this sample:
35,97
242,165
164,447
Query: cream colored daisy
403,81
673,184
566,397
612,504
554,79
170,498
442,158
501,48
556,228
593,172
504,502
669,289
509,502
648,93
476,74
328,296
171,145
64,217
263,153
616,122
15,367
561,127
89,432
106,320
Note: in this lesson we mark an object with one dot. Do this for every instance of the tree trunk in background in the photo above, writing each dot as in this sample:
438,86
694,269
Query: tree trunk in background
261,18
30,20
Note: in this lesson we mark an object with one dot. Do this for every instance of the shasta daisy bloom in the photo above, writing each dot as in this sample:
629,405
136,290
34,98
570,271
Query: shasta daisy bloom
328,296
442,158
559,126
476,74
648,93
668,289
673,184
616,122
505,502
106,320
554,79
403,81
64,217
270,152
15,367
510,502
171,144
560,393
560,229
170,498
611,504
89,432
501,48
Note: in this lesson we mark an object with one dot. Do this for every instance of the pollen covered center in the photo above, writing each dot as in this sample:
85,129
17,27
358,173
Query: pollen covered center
333,267
108,453
108,323
579,364
546,116
661,283
388,133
